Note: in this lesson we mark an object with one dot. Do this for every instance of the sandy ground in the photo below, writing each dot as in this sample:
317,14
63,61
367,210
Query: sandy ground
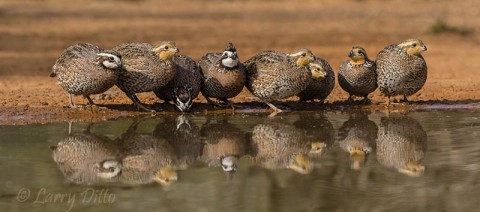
34,33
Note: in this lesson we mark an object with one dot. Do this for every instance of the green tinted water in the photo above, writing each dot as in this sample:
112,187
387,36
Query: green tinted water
422,161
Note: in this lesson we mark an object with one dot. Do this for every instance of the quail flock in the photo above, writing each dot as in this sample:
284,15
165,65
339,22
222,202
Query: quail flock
85,69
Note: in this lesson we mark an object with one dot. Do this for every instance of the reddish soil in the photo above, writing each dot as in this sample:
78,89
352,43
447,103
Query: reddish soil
34,33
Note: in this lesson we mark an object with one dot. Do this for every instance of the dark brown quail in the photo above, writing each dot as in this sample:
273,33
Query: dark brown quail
185,85
85,158
358,75
147,68
224,75
273,75
357,136
276,145
321,83
401,145
401,69
85,69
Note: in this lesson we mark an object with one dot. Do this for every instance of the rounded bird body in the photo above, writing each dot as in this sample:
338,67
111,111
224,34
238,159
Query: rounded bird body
358,75
401,69
185,85
85,69
224,75
147,68
401,145
273,75
321,83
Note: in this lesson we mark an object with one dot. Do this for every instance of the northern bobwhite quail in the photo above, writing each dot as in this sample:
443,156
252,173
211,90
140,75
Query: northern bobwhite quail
401,69
321,83
224,75
185,85
147,68
358,75
85,69
273,75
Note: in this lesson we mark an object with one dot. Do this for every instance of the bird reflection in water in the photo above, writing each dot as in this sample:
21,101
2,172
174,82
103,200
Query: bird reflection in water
147,158
276,145
86,158
319,132
225,144
184,136
357,136
401,145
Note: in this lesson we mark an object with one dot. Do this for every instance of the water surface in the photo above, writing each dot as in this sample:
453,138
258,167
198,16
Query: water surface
300,161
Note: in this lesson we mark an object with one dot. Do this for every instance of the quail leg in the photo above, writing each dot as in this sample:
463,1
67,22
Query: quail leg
350,98
90,101
137,103
405,99
366,100
70,101
388,101
275,109
230,104
211,102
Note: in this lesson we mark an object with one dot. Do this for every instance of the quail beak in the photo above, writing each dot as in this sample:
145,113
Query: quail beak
424,48
412,169
317,147
350,54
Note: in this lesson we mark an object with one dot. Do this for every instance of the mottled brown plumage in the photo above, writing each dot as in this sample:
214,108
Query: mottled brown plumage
276,145
85,158
357,136
401,145
358,75
224,144
401,69
146,158
321,83
319,132
147,68
273,75
85,69
224,74
185,85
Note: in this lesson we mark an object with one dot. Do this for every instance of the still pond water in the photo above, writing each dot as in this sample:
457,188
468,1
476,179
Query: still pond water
299,161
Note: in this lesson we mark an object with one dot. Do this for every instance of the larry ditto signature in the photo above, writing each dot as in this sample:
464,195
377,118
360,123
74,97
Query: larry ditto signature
87,196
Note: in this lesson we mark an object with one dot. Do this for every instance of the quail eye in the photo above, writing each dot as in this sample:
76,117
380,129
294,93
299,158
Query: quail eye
414,45
111,59
166,47
303,55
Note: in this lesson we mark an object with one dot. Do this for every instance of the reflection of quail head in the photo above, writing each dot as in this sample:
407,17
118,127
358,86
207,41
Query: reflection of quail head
301,163
108,169
229,163
317,147
166,176
412,169
357,158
